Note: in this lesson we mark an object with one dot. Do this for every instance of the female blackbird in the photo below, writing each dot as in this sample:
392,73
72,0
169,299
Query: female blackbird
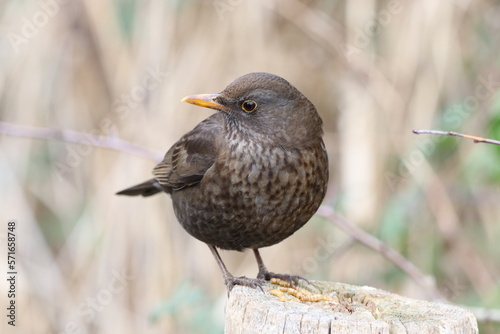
251,174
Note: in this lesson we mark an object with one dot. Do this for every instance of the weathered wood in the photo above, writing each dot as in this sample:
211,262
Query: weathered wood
348,309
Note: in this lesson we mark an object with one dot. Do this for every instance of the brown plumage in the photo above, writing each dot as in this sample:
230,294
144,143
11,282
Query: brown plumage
250,175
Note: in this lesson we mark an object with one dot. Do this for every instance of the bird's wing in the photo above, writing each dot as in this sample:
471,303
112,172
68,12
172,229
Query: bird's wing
187,161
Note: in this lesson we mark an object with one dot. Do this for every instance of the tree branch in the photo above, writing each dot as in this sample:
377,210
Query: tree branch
80,138
456,134
426,282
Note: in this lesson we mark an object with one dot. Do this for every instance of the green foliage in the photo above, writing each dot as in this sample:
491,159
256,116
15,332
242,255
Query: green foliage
192,309
395,221
482,166
493,128
126,11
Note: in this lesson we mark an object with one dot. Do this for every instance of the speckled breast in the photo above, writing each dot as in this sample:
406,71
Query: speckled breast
255,196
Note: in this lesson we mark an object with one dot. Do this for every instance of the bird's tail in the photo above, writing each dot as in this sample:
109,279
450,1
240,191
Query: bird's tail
148,188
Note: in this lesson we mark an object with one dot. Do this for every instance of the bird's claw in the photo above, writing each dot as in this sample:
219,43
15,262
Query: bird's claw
291,279
245,281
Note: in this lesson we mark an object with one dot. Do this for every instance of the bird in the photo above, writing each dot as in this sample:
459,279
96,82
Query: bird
248,176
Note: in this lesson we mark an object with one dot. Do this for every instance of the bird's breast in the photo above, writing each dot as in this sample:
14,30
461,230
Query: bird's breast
254,195
266,179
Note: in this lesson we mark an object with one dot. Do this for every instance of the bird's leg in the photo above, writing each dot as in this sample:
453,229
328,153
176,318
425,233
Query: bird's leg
229,279
267,275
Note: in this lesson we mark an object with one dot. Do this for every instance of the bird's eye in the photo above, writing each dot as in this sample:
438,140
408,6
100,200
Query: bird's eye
249,105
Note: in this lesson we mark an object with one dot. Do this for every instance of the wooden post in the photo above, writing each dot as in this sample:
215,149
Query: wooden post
328,307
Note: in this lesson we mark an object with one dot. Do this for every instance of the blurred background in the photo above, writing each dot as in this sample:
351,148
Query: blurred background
93,262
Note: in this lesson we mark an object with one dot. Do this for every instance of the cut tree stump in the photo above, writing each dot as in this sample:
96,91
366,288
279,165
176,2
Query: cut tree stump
328,307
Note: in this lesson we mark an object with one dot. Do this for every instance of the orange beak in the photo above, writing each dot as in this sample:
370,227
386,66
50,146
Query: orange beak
205,100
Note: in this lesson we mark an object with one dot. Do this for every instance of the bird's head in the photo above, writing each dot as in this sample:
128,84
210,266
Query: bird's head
265,105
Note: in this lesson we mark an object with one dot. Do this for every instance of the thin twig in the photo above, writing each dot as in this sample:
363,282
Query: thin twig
456,134
79,138
427,282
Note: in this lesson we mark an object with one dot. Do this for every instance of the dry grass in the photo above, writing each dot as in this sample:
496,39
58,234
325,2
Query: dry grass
84,68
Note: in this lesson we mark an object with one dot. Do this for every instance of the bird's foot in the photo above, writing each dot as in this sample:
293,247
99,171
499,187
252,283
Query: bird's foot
231,281
291,279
